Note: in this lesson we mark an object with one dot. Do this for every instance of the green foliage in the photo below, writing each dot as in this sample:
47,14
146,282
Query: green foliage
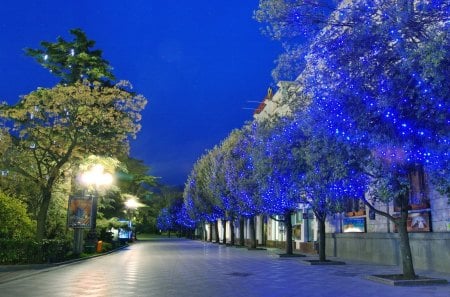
73,61
27,251
15,222
54,128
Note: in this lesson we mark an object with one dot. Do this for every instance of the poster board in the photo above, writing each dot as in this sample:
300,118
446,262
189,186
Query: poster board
79,212
354,225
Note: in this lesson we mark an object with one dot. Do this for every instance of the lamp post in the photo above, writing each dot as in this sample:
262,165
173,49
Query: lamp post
93,180
131,205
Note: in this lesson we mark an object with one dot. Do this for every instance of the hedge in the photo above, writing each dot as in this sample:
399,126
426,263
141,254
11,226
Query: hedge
28,251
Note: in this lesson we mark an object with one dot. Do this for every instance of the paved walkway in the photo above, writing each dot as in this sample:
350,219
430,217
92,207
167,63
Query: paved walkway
179,267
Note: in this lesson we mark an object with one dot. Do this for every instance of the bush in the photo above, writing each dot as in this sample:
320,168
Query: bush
15,222
28,251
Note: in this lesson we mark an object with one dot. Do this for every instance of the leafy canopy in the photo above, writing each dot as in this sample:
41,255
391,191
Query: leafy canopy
73,61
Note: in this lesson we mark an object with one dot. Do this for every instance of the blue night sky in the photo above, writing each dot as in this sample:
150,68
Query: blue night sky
197,62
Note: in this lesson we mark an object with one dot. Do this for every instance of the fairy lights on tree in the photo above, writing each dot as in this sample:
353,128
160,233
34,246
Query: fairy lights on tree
388,96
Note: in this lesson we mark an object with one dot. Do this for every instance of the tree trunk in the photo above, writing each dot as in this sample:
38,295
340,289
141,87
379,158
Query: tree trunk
322,256
42,214
241,231
224,228
405,247
232,235
263,231
216,230
253,242
288,225
210,231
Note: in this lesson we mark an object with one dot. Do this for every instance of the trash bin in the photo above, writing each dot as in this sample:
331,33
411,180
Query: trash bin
99,246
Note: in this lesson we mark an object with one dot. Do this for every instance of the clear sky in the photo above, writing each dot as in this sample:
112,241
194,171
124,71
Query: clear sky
198,63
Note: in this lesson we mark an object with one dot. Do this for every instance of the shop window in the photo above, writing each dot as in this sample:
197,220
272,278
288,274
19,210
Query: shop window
355,208
418,191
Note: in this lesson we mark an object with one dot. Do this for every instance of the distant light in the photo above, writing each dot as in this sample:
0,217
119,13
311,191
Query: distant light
45,57
131,204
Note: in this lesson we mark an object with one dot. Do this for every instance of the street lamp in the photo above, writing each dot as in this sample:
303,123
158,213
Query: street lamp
131,204
93,181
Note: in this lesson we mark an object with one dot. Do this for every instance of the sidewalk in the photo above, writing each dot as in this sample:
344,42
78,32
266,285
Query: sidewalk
371,268
179,267
13,272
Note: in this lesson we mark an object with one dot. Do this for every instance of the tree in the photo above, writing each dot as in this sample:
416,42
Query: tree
388,96
294,23
165,221
16,224
241,179
49,129
280,169
333,175
73,61
202,201
134,180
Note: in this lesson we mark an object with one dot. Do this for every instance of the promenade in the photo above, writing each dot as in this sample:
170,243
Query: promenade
179,267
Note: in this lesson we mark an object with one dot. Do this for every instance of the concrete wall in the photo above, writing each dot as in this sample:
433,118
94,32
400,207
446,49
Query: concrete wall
431,251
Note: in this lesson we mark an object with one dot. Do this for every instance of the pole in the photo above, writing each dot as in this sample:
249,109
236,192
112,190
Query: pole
91,240
77,241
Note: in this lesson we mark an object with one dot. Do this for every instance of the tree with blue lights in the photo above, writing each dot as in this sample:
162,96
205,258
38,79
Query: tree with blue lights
279,168
165,221
228,163
241,179
189,197
200,200
229,201
175,217
294,23
333,175
381,85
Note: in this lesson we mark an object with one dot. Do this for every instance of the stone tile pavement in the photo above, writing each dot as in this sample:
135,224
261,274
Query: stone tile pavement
192,268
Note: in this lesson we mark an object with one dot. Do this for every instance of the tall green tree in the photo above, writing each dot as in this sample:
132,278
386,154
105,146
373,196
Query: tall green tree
49,129
73,61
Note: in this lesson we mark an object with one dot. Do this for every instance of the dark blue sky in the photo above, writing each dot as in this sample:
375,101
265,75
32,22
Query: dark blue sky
197,62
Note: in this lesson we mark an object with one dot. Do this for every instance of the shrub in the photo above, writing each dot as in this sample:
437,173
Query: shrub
15,222
29,251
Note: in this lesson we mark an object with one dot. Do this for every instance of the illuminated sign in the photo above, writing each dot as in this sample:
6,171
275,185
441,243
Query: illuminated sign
354,225
79,212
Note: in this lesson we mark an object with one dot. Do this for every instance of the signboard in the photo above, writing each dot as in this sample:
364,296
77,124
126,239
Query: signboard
79,212
354,225
418,222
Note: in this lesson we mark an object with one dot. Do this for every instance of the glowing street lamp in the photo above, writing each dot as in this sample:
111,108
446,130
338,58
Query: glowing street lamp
131,204
96,177
94,180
